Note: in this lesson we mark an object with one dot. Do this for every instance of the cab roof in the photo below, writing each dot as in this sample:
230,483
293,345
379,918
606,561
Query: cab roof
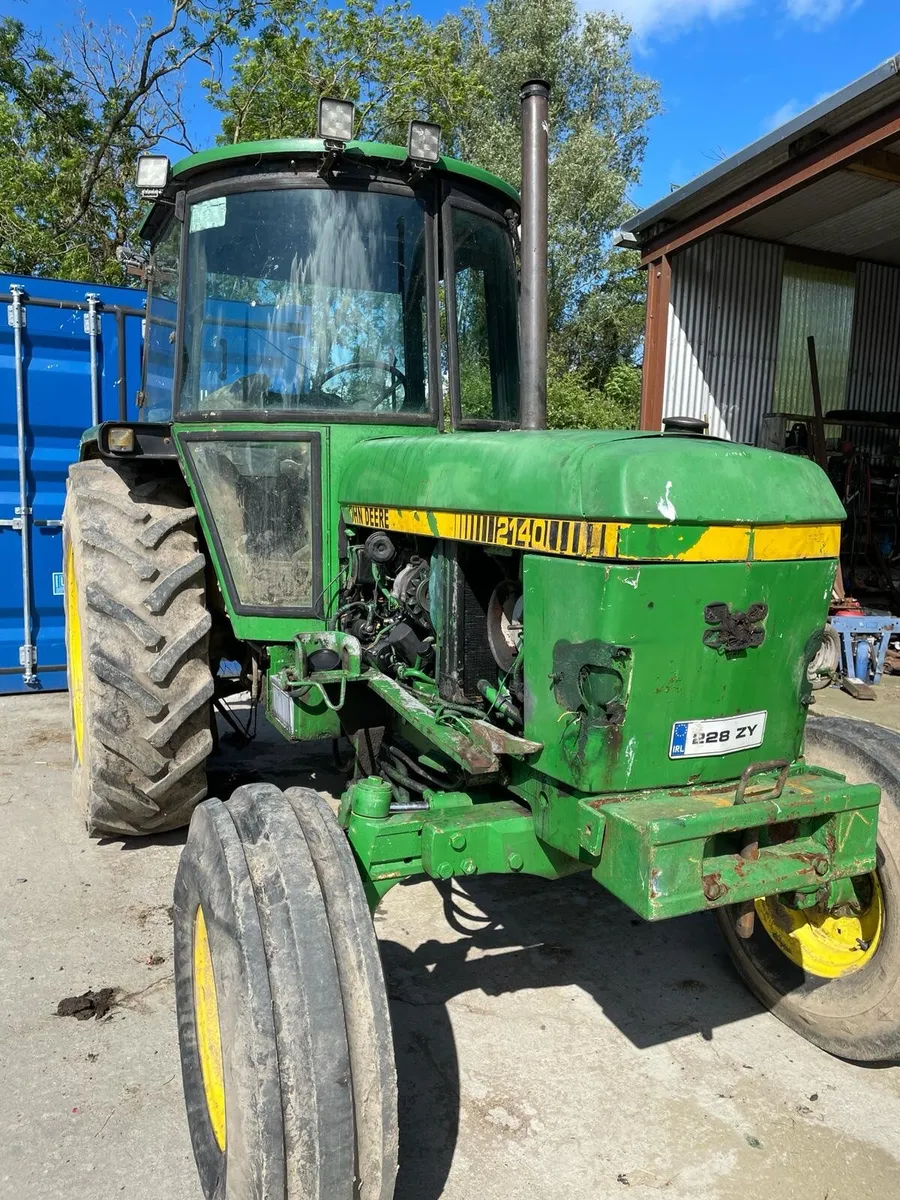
245,153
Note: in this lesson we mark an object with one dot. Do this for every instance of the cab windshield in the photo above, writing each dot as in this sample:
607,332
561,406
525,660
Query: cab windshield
303,299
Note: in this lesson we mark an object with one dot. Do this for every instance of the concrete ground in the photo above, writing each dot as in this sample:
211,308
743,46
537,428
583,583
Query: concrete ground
883,710
548,1042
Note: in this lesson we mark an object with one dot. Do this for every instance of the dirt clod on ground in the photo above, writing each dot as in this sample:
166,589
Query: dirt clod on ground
88,1004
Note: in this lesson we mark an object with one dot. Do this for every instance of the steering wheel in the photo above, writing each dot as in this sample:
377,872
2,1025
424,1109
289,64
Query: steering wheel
365,364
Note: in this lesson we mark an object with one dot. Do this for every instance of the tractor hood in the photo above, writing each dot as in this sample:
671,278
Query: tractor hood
646,478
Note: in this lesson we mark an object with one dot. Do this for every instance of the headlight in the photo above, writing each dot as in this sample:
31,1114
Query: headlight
120,440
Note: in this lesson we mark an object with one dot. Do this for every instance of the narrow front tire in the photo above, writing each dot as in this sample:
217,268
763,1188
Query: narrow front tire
288,1075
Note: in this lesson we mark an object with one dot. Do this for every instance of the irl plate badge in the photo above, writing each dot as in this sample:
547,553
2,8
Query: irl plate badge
719,735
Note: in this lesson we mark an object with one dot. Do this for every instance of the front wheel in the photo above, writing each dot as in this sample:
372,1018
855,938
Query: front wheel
835,977
286,1047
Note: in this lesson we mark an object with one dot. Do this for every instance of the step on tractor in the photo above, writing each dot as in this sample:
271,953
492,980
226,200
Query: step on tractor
550,652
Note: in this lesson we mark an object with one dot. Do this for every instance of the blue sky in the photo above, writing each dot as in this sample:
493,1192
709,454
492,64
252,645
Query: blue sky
729,70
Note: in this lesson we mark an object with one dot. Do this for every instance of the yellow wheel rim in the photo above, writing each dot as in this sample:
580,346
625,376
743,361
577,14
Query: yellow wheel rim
74,654
822,944
209,1041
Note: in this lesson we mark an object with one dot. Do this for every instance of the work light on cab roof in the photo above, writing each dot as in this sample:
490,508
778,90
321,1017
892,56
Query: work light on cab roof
152,175
335,121
423,142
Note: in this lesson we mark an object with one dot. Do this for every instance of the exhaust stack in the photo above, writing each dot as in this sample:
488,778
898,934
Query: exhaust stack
534,96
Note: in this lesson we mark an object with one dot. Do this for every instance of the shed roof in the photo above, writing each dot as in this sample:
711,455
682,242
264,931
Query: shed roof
844,109
847,212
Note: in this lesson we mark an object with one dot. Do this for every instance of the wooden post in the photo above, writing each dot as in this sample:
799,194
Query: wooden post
819,450
659,278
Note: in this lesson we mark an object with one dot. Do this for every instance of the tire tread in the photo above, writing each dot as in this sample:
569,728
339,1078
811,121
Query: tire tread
145,633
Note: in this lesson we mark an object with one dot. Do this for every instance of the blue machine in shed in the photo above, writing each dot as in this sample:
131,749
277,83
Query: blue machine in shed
70,356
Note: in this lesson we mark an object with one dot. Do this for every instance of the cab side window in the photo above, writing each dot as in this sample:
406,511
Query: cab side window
159,337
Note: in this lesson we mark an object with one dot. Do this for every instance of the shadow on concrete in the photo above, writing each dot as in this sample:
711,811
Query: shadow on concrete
172,837
655,982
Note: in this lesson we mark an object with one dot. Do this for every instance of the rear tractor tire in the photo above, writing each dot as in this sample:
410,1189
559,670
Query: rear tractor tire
286,1046
835,977
137,638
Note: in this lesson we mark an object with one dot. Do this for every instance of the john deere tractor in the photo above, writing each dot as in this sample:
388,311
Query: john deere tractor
551,652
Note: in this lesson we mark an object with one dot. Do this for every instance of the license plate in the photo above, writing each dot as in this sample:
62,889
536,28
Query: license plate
721,735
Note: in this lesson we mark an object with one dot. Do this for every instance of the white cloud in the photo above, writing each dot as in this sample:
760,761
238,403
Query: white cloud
661,16
646,16
780,116
819,12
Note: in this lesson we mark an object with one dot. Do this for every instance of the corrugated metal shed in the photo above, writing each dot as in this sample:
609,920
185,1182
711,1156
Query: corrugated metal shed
739,317
795,224
723,334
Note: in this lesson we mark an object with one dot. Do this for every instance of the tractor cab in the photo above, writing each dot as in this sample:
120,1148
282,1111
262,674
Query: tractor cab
304,295
318,293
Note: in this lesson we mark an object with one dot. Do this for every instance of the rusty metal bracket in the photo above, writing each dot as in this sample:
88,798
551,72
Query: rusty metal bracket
475,745
746,918
763,768
660,852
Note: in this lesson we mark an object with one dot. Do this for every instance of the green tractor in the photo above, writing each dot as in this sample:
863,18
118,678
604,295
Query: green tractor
551,652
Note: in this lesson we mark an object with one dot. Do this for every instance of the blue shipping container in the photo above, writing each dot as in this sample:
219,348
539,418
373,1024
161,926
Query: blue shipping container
61,392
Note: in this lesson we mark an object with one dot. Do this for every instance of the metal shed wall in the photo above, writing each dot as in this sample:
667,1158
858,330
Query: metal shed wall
723,334
873,376
819,301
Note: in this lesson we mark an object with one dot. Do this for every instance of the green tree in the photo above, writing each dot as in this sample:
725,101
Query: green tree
574,403
599,111
393,64
73,121
465,72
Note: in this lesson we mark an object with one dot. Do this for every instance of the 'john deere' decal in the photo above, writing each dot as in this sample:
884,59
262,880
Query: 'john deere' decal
617,540
546,535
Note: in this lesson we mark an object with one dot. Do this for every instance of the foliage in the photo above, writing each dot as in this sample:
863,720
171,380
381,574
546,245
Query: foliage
466,72
392,63
73,123
573,403
599,110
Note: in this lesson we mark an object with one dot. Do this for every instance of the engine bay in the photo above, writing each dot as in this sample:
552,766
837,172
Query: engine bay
444,619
